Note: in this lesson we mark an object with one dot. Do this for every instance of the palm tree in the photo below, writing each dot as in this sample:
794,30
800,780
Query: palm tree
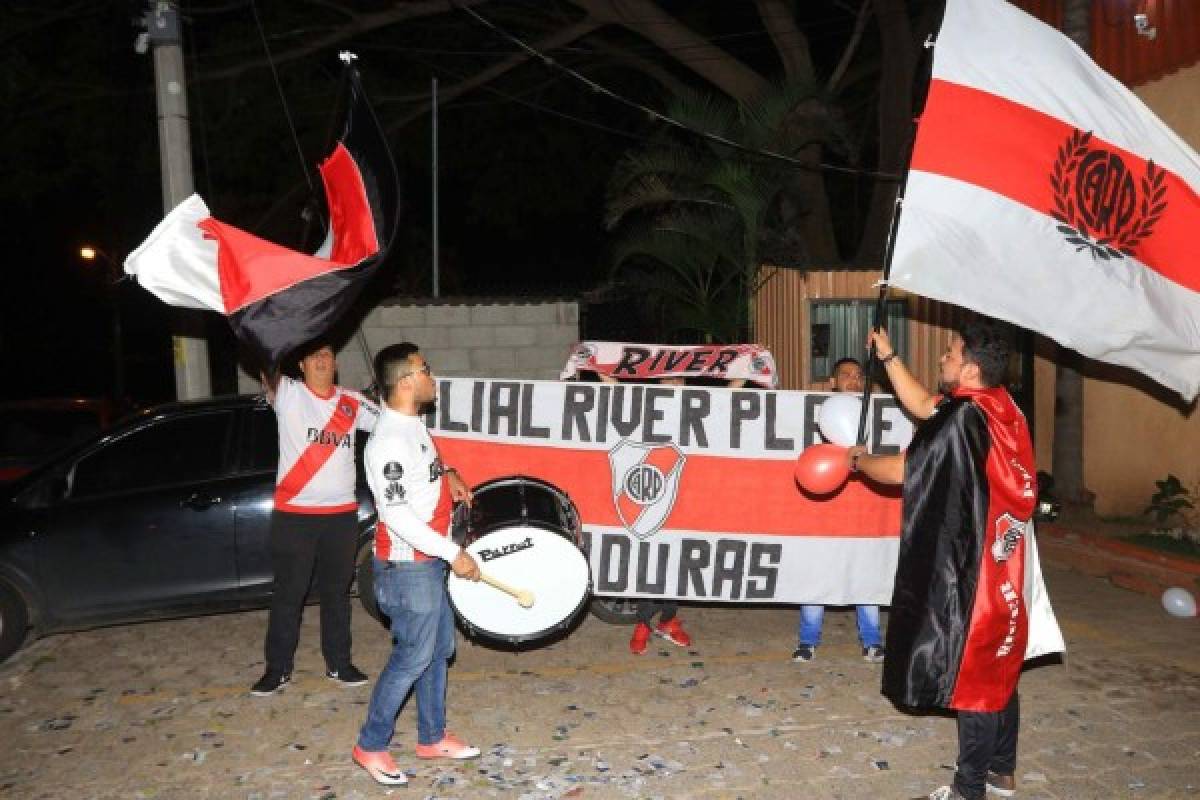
693,216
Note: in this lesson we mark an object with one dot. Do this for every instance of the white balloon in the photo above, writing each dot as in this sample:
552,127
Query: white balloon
1179,602
838,418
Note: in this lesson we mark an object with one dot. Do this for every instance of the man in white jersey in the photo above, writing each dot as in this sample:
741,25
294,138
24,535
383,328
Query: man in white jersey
413,493
314,521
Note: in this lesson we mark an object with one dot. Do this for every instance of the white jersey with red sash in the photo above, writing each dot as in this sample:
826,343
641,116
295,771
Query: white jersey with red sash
959,624
411,493
316,447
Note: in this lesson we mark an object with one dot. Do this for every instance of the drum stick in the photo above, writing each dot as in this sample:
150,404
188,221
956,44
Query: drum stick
524,598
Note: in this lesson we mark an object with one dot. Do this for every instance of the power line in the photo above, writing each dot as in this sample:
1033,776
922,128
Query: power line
596,87
587,123
287,112
539,107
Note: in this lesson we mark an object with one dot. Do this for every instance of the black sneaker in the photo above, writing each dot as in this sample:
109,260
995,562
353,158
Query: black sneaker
347,676
270,683
873,654
805,652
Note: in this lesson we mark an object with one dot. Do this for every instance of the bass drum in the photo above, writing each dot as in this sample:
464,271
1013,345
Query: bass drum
525,533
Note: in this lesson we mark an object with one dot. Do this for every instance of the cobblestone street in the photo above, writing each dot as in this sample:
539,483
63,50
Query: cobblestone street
161,710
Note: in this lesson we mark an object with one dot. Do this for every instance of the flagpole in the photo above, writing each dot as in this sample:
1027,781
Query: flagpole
888,252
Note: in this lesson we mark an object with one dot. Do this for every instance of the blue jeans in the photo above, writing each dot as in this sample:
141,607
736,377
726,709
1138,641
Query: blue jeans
812,617
413,594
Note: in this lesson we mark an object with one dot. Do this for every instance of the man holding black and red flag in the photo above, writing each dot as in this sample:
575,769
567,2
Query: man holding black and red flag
966,577
315,518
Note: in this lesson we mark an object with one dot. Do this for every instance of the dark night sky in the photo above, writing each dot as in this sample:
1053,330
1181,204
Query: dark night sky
522,190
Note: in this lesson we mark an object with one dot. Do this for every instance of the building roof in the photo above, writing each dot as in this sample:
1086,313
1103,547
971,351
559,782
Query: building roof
1169,42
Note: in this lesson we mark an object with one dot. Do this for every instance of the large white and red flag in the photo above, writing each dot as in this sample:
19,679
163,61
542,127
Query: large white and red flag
276,298
1043,192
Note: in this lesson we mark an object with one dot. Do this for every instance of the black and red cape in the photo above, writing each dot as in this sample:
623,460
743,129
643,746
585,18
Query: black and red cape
958,626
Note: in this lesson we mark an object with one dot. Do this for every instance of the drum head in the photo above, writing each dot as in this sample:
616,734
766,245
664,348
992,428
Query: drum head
530,558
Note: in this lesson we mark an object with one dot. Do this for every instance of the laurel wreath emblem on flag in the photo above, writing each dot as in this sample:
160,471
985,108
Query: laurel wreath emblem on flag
1096,200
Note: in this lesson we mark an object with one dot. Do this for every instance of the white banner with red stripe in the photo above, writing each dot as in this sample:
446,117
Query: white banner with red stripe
1043,192
687,492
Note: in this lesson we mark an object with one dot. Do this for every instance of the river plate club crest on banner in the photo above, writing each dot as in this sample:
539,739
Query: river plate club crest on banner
645,483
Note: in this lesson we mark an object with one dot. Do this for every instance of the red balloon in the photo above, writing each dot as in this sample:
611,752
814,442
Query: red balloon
822,468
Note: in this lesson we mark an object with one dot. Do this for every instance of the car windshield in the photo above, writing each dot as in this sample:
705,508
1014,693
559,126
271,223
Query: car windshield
33,435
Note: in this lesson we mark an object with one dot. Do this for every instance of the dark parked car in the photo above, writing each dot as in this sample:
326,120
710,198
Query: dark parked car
165,514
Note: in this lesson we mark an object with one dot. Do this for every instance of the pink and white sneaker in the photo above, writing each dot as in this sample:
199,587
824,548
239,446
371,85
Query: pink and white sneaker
380,766
449,747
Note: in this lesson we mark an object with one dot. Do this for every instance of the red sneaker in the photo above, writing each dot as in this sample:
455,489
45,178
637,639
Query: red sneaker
380,766
449,747
640,638
673,632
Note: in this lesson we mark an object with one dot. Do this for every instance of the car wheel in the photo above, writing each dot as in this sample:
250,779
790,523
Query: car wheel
364,574
615,610
14,620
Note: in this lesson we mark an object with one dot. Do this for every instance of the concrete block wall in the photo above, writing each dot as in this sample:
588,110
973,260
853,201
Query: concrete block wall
471,337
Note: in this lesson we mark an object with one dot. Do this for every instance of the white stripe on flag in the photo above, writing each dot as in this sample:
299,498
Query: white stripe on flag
821,570
965,245
176,263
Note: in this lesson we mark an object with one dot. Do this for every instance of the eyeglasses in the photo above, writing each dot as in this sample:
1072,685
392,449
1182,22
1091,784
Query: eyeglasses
423,370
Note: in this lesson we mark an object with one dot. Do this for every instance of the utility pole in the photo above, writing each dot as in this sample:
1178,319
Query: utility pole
164,33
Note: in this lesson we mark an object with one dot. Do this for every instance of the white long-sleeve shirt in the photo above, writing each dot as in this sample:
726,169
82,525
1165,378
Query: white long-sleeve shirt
412,497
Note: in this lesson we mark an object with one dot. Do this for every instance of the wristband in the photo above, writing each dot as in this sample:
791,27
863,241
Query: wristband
854,462
890,356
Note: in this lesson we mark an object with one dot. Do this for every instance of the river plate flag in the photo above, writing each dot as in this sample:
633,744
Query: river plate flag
277,298
1044,192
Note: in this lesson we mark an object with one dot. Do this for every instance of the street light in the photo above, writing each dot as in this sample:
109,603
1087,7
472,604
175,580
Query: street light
114,276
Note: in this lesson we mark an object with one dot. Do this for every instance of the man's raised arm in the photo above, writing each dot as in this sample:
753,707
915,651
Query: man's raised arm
916,399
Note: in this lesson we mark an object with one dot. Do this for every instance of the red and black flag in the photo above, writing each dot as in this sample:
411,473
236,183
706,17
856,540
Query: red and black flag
969,606
277,298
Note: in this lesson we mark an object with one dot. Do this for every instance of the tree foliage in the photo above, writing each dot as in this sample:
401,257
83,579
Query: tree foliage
693,217
526,152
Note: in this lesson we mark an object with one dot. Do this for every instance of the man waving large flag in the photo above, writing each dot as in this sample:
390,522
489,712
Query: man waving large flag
1043,192
276,298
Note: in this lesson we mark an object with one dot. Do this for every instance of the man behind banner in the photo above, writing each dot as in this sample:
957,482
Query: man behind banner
958,626
315,516
413,493
847,377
